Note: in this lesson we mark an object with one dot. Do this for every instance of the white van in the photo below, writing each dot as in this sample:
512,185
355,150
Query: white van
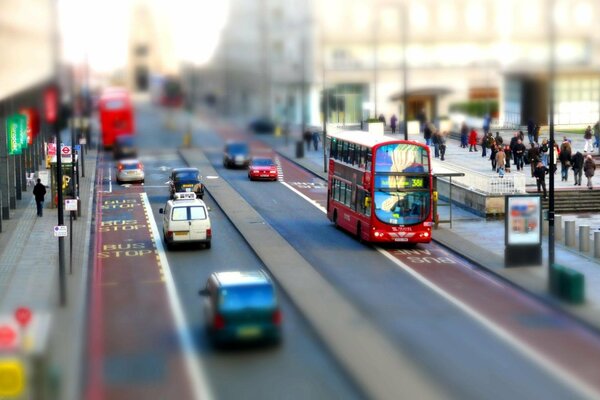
186,220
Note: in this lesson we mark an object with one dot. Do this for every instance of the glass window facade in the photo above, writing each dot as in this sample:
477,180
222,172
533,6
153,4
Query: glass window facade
577,101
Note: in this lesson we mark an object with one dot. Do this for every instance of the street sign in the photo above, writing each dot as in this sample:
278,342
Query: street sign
8,337
66,154
12,378
60,231
70,205
82,140
23,316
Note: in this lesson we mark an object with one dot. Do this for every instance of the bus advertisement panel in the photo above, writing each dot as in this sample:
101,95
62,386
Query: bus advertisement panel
116,115
380,188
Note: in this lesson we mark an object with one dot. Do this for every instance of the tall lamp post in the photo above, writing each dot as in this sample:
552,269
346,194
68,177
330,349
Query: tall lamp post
404,21
552,73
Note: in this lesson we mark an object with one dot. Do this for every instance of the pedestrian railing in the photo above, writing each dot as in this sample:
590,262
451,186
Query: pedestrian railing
481,182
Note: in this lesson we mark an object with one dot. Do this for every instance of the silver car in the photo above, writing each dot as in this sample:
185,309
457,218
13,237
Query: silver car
130,171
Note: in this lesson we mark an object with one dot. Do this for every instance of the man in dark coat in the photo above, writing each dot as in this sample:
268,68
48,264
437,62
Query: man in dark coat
589,167
577,164
393,123
519,152
39,191
539,173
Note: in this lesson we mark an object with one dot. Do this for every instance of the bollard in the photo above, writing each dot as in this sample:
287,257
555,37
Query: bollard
584,238
558,233
597,244
570,233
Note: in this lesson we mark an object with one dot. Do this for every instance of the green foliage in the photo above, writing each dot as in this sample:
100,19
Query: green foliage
476,108
371,120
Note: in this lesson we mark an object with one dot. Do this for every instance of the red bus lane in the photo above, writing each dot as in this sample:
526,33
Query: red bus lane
132,346
564,348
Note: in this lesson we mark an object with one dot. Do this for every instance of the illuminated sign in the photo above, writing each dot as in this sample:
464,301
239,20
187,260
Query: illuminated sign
400,182
523,220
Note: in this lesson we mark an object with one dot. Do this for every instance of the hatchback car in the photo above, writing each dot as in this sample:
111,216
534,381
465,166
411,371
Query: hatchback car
186,220
130,171
124,147
236,154
241,306
262,168
186,180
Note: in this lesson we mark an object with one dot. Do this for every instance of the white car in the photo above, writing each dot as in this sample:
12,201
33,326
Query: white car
186,220
130,171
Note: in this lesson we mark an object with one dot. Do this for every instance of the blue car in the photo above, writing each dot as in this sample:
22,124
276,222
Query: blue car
240,307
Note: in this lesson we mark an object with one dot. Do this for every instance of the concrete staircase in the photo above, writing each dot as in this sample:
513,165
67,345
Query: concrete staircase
575,200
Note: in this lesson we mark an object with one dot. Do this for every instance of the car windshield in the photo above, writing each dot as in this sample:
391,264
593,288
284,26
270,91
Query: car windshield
401,208
262,162
234,298
186,176
238,148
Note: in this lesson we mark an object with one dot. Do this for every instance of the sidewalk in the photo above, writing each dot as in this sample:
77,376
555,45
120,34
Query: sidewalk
487,250
29,278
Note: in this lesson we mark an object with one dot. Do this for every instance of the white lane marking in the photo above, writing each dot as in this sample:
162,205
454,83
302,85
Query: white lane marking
539,358
193,363
305,197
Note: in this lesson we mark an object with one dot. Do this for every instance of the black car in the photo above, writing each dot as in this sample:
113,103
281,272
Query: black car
236,154
186,180
124,147
262,125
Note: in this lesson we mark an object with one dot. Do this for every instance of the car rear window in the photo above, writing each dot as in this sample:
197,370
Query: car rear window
246,296
179,214
262,162
130,166
197,212
238,148
187,176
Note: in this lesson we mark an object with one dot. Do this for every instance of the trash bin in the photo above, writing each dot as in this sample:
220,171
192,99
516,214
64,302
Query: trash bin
299,149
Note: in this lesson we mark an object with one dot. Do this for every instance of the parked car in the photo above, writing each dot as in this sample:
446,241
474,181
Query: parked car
262,125
186,220
131,170
186,180
124,147
262,168
236,154
241,306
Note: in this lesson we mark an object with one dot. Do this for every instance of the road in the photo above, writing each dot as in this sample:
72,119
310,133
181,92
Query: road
472,335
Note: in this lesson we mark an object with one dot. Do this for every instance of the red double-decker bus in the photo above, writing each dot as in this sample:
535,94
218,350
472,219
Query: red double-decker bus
380,188
115,111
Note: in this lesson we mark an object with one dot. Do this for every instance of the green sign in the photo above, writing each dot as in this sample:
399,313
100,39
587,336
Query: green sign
12,135
22,130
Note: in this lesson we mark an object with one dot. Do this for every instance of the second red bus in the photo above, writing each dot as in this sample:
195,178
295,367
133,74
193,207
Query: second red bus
116,115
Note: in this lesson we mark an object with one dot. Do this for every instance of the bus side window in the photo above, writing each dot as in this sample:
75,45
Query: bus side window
333,149
345,151
339,150
362,152
351,148
369,159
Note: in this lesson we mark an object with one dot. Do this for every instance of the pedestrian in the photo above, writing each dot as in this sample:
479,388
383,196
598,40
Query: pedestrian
533,155
589,167
507,153
493,152
500,161
435,139
316,138
486,124
442,140
393,122
556,155
464,135
577,165
597,135
486,143
428,132
39,191
519,153
498,139
539,173
381,119
587,136
565,159
544,152
473,140
307,139
530,129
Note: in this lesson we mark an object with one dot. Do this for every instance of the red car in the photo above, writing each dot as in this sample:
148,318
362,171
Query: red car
262,168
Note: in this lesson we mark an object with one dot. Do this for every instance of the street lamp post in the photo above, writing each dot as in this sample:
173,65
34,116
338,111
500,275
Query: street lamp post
404,69
552,73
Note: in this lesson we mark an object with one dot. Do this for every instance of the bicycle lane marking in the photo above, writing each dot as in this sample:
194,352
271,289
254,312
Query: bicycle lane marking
133,321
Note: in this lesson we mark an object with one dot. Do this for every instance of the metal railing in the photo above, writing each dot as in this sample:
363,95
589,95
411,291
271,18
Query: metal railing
480,182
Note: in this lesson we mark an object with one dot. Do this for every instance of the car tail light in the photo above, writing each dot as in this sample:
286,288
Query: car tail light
208,233
218,321
139,166
120,167
277,317
170,234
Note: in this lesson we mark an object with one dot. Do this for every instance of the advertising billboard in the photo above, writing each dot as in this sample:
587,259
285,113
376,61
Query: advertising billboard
523,220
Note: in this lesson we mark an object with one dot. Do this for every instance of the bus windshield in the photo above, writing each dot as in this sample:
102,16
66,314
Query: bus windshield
401,184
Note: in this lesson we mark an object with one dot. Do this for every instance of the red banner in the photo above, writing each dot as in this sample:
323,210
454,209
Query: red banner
51,104
33,123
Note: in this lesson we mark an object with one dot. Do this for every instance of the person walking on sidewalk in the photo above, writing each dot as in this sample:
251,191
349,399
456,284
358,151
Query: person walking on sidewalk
587,136
565,159
589,167
507,153
577,163
519,152
464,135
442,144
493,152
500,161
393,123
473,140
435,139
316,138
486,143
533,155
39,191
539,173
